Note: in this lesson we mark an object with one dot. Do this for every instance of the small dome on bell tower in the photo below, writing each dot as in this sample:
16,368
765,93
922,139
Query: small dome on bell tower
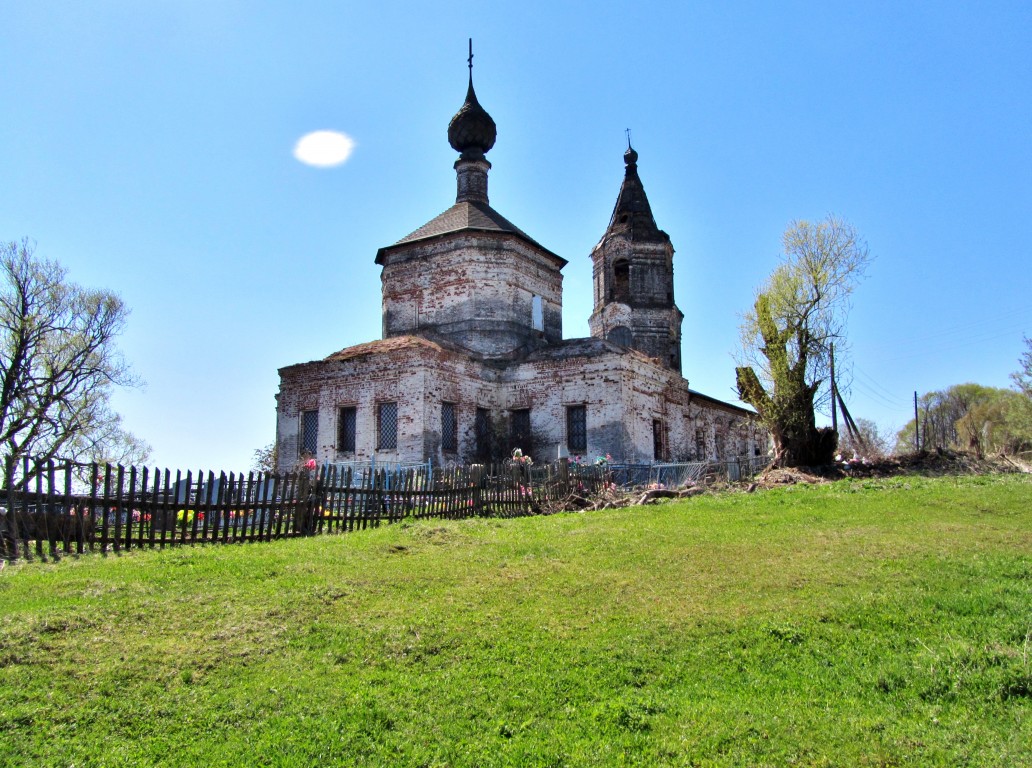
472,131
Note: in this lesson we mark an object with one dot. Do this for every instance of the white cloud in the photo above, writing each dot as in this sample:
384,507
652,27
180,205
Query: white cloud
324,149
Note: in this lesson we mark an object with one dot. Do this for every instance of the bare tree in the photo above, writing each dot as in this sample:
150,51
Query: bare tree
1023,378
58,363
786,339
265,459
870,443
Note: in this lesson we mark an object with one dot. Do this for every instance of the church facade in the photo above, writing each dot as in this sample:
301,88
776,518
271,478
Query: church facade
473,363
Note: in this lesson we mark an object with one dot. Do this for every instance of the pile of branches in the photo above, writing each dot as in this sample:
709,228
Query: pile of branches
616,498
935,463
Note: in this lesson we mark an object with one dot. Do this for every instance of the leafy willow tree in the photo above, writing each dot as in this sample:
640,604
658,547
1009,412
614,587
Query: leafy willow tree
59,365
786,339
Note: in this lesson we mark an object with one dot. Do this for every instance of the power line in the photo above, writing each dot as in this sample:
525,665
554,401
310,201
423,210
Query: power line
984,328
877,397
886,394
923,351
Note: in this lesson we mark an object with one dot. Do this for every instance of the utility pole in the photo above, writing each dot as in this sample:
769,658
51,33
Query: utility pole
917,426
834,393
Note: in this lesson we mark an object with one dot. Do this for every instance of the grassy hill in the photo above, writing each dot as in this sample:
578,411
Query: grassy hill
877,622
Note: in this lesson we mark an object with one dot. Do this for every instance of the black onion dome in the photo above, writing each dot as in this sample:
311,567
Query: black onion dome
630,156
472,131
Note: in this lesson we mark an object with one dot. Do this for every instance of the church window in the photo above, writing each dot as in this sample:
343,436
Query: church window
520,429
621,335
347,429
537,317
577,428
387,426
658,454
621,280
449,428
482,431
309,432
700,443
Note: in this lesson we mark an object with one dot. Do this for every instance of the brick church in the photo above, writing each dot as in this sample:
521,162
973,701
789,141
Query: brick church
473,362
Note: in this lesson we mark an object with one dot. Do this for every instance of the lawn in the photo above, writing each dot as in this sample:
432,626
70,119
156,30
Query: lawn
879,622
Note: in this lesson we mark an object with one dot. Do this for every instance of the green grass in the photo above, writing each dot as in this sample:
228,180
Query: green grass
861,623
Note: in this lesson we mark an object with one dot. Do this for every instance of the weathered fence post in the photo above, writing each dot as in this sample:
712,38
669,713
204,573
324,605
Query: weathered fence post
306,498
477,476
564,475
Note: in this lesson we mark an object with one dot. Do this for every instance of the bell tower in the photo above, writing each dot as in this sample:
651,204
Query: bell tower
634,277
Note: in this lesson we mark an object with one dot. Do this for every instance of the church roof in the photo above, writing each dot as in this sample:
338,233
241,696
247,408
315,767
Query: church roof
632,214
382,346
467,216
696,395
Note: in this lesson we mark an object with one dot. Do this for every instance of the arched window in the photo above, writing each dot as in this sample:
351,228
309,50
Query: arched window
537,316
621,335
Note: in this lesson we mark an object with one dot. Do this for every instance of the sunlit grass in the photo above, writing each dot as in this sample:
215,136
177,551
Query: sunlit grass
860,623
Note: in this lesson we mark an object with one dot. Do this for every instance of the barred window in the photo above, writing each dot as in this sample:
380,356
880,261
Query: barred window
347,429
449,428
482,428
519,429
577,428
387,426
309,432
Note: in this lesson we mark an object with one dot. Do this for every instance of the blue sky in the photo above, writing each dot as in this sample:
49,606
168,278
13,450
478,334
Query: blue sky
148,147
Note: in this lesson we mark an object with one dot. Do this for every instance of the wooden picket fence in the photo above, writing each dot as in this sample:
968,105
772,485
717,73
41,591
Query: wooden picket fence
74,508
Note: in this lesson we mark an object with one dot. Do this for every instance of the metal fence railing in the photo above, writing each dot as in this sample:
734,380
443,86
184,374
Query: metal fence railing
390,473
677,475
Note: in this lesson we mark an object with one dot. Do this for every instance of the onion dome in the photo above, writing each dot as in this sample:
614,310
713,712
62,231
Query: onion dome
630,156
472,131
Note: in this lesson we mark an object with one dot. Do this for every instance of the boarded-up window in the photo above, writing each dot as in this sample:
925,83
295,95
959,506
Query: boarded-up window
700,443
309,432
449,428
347,429
387,426
577,428
520,429
482,429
